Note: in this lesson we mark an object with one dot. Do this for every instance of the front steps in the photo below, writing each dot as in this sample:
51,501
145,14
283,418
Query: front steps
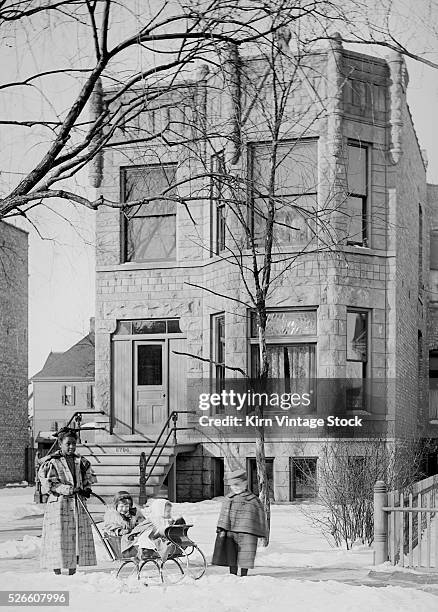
116,465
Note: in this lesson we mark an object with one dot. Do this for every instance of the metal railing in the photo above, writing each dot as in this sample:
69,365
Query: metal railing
406,525
144,461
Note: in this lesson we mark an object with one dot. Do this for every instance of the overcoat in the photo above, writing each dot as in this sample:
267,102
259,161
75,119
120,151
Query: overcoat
67,531
242,513
115,524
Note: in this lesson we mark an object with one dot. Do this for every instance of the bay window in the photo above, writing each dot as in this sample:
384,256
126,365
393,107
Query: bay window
289,180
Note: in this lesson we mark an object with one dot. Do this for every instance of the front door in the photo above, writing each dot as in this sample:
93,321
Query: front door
150,385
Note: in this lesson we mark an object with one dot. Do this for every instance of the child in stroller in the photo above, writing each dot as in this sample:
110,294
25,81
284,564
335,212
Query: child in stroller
149,536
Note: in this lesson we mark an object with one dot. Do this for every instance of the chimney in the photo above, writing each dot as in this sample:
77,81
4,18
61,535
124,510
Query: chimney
92,325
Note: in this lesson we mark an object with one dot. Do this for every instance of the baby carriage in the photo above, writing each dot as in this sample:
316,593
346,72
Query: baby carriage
184,557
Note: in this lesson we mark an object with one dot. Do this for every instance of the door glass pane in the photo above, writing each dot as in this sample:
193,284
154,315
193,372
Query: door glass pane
149,364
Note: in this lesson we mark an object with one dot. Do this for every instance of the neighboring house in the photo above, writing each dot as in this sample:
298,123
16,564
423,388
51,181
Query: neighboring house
359,311
14,432
64,386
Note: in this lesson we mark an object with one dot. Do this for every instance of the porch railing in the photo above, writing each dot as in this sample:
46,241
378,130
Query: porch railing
161,443
406,525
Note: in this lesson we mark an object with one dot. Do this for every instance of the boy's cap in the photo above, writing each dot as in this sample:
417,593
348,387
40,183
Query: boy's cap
235,475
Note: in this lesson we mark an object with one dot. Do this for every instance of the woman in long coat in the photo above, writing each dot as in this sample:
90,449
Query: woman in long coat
243,519
67,538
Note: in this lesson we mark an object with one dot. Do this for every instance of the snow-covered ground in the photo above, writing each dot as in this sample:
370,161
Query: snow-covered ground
277,583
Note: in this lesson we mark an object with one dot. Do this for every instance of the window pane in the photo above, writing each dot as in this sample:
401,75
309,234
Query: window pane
146,181
149,327
151,238
173,326
220,228
287,362
149,365
292,323
357,337
357,170
303,472
296,168
356,226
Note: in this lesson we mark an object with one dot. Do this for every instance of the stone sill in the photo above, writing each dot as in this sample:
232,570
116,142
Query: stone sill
166,265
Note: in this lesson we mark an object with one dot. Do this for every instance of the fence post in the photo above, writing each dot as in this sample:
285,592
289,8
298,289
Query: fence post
380,523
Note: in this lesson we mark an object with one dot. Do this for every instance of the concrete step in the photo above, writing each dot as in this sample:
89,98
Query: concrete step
130,460
118,471
108,491
135,453
126,479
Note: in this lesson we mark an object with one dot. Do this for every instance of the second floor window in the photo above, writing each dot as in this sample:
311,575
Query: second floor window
68,395
357,200
293,190
150,227
218,202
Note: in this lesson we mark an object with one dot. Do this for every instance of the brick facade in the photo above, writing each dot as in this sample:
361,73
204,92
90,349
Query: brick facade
14,431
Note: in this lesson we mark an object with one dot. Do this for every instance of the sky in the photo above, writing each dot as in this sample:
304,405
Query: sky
61,252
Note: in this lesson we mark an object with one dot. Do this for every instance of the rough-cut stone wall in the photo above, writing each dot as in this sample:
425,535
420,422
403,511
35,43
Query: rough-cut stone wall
381,277
13,353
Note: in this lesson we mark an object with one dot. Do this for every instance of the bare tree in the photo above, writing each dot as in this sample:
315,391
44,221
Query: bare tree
346,479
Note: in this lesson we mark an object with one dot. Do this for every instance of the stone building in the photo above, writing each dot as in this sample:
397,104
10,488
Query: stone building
14,429
350,304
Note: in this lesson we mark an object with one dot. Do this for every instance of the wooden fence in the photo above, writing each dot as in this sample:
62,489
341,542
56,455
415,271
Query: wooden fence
406,525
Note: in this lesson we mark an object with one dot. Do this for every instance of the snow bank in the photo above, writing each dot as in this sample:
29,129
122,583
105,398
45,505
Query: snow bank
27,510
99,591
27,548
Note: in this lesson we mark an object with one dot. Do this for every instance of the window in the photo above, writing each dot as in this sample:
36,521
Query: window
357,200
303,477
294,190
357,359
90,397
148,326
68,395
253,483
150,228
291,353
218,203
218,353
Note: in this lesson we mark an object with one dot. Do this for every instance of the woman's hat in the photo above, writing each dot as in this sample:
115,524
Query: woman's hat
235,475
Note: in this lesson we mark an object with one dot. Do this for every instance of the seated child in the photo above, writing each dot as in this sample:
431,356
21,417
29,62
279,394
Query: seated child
149,535
122,517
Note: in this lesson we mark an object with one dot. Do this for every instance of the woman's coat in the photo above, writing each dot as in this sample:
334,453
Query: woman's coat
67,531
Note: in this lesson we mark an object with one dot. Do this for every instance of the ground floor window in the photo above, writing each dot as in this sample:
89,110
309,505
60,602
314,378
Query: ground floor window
303,477
253,484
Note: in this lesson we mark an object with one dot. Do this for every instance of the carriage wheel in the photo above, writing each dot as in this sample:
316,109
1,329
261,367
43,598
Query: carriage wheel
150,573
196,563
127,570
171,571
